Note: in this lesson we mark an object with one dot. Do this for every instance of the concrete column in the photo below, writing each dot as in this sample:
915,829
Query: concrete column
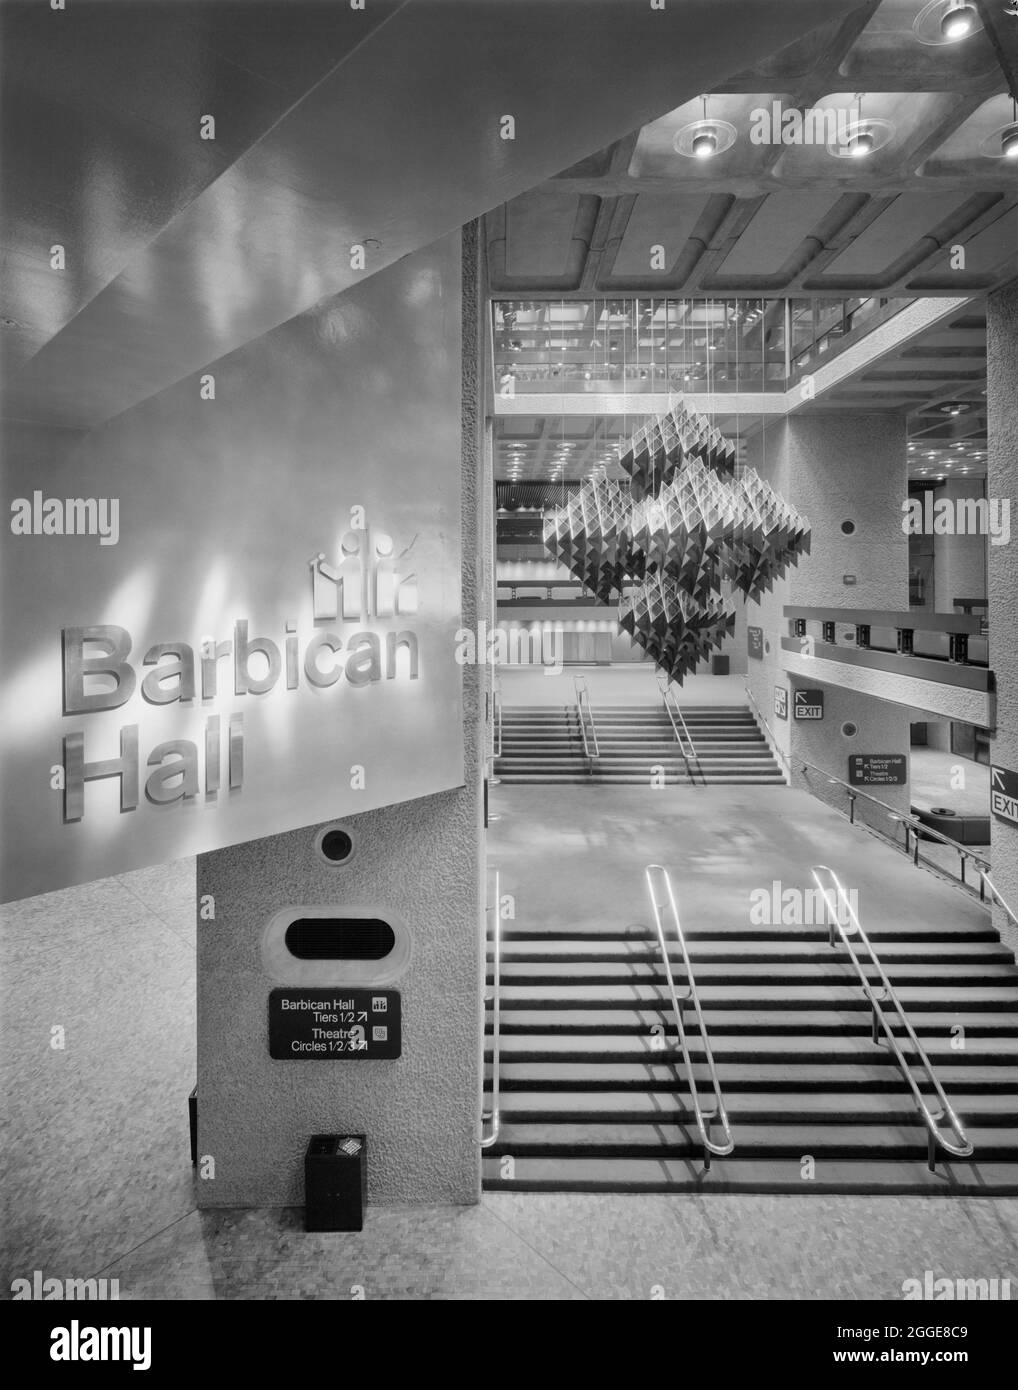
841,471
959,562
420,861
1002,482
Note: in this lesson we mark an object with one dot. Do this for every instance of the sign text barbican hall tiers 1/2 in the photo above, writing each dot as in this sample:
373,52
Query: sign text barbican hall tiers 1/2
878,769
334,1024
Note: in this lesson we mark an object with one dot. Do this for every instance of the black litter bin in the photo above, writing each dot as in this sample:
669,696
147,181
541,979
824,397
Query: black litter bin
335,1182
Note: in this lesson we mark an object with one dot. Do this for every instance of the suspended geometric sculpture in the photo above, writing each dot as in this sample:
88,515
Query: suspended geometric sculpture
692,524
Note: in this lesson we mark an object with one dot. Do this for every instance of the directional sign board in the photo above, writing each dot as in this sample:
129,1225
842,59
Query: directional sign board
1004,794
754,641
781,701
808,704
878,769
334,1024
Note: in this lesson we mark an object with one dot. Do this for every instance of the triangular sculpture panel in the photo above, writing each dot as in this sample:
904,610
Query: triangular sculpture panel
693,525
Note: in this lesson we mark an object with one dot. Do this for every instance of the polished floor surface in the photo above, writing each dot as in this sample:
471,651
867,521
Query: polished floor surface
577,854
96,1173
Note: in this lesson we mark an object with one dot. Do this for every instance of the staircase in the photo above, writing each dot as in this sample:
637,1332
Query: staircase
636,744
588,1104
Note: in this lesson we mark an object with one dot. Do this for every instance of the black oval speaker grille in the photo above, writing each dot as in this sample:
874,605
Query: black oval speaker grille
339,938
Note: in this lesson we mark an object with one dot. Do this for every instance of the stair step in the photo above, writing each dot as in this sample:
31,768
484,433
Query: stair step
670,1140
801,1023
878,933
746,1074
915,999
775,1107
750,952
868,1176
833,972
592,1048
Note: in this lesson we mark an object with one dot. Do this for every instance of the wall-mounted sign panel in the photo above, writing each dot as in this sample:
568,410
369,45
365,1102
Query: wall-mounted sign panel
1004,794
755,641
334,1025
781,701
808,704
244,619
878,769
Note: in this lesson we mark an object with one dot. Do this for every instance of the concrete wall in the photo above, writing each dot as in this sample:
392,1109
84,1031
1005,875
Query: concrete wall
421,861
1002,477
836,468
223,502
959,562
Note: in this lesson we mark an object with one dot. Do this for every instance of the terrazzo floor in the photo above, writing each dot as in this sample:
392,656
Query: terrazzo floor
97,1180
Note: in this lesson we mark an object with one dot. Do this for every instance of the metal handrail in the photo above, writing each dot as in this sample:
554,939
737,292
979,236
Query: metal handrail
719,1113
912,825
494,1113
961,1148
685,738
986,882
583,705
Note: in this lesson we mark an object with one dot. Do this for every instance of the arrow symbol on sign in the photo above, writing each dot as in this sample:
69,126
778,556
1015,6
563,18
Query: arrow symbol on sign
800,697
998,777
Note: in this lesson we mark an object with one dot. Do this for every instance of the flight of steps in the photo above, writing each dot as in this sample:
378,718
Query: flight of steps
636,743
588,1104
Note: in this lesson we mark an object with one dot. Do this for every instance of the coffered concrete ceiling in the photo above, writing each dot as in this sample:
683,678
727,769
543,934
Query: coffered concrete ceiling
333,127
780,218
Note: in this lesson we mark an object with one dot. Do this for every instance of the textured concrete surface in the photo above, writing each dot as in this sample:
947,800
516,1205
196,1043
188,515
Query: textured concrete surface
419,860
94,1127
959,562
1002,481
836,468
582,1246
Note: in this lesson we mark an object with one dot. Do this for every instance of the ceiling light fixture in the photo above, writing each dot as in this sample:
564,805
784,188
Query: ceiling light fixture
862,136
860,144
705,144
946,21
1009,135
958,21
705,138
